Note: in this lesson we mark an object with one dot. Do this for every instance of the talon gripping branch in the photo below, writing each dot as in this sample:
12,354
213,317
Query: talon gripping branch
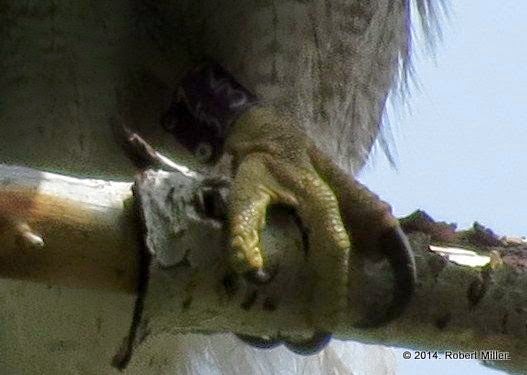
277,163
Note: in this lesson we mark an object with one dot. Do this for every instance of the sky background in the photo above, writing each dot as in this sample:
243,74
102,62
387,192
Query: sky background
462,145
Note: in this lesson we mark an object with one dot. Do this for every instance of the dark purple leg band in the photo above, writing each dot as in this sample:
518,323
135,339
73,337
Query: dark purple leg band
206,103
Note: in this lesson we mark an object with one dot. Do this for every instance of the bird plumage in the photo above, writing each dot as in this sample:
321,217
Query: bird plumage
332,64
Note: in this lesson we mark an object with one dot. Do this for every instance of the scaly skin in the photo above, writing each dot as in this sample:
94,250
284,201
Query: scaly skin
276,163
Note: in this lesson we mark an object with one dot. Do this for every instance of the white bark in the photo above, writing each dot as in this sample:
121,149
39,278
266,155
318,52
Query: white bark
456,307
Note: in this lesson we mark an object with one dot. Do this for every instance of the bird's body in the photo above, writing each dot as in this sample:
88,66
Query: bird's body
321,72
331,63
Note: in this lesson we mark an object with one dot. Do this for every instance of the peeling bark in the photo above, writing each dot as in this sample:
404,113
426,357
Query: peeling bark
456,307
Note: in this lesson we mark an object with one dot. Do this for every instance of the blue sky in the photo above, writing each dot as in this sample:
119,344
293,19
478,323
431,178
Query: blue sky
462,147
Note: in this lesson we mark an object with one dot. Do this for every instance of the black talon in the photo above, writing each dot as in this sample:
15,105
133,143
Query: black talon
260,342
212,197
395,246
310,346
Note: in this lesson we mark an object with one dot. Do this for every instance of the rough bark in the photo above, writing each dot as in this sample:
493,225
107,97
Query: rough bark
84,230
66,70
456,308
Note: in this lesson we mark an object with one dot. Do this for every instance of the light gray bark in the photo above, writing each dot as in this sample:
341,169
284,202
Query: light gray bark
66,68
456,308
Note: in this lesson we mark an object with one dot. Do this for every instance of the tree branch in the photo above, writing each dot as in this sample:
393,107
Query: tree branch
88,229
67,231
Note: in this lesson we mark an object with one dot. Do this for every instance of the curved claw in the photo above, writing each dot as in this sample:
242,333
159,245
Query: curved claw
253,191
395,246
402,261
311,346
211,197
333,205
374,229
260,342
